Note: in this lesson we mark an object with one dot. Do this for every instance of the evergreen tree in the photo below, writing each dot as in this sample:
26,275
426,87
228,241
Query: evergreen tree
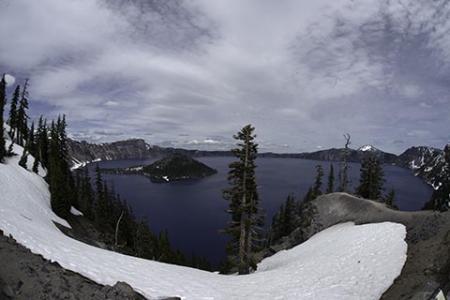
145,241
60,178
284,221
372,178
390,199
23,159
13,113
309,195
42,142
101,204
343,172
330,186
246,217
440,199
86,195
3,150
22,117
316,191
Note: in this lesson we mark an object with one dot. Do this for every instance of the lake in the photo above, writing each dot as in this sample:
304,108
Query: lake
193,212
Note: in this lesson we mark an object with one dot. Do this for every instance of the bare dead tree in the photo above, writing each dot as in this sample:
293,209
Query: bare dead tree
343,172
116,236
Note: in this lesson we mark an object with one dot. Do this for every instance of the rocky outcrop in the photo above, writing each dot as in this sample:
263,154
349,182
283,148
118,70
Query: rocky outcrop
426,163
24,275
428,237
128,149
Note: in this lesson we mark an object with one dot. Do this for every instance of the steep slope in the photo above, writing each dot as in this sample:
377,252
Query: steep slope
342,262
83,152
426,163
24,275
428,264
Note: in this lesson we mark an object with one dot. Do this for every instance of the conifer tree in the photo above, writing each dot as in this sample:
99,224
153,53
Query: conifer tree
316,190
3,150
22,117
12,121
246,217
42,142
23,159
390,199
343,171
371,178
60,178
330,186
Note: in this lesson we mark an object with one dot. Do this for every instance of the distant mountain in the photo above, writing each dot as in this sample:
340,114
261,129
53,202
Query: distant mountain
425,162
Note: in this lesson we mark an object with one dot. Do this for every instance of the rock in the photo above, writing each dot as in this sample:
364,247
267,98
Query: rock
24,275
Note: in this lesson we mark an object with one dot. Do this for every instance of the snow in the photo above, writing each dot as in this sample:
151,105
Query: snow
76,164
75,211
367,148
343,262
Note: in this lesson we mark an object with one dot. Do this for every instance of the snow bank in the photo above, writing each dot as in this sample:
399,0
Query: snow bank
342,262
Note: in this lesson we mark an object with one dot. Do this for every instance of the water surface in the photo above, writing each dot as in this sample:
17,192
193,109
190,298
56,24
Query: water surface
193,212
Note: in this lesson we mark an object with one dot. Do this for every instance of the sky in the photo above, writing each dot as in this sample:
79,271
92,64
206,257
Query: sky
191,73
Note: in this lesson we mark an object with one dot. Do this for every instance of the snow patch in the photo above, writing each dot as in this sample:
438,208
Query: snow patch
367,148
75,211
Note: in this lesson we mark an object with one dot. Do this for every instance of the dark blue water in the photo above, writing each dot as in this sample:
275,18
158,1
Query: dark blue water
193,212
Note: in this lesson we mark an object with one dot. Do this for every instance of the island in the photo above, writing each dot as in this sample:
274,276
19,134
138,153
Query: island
175,167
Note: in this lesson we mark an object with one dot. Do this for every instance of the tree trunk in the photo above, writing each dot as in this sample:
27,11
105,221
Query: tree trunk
116,236
243,261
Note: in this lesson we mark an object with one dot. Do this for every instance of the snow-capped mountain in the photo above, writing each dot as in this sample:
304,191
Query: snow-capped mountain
368,148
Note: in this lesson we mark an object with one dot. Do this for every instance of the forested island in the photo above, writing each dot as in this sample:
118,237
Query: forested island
175,167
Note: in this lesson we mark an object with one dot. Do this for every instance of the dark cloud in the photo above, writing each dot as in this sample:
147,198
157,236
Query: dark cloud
191,73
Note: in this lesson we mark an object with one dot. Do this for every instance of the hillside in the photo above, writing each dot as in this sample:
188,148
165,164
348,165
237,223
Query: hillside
428,261
342,262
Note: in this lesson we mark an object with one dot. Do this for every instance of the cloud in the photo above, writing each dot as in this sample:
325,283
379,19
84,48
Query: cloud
198,70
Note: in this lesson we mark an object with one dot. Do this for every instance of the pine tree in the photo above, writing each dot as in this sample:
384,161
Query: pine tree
101,203
86,195
23,159
42,142
60,178
22,117
3,150
316,190
309,195
389,200
372,178
330,186
13,113
343,172
246,217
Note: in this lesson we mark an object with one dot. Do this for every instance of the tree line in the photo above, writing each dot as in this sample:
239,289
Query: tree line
113,217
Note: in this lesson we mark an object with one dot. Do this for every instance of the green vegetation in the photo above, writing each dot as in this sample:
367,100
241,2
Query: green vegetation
244,228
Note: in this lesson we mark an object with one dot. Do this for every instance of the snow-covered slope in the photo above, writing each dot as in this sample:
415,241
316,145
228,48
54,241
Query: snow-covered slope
342,262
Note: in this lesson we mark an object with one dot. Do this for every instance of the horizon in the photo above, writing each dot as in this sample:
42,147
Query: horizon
259,152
